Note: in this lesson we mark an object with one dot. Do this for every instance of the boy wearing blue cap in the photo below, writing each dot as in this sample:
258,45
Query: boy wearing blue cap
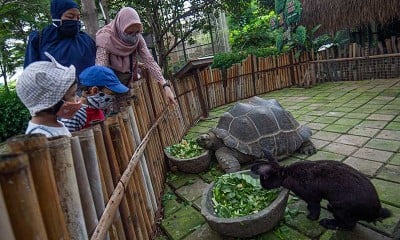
99,84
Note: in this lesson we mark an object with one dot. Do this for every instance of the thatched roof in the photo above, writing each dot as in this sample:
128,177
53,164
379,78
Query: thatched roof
340,14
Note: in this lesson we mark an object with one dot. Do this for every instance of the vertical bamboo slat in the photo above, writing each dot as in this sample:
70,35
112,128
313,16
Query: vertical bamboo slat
23,207
64,172
36,146
5,224
85,193
116,175
88,145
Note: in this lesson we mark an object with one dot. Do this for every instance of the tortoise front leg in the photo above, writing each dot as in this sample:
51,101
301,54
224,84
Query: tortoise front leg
307,148
227,161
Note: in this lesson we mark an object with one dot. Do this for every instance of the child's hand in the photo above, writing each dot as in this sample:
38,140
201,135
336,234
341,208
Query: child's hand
170,95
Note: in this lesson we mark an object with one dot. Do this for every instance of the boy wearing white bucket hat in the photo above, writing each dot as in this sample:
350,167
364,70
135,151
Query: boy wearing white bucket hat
48,90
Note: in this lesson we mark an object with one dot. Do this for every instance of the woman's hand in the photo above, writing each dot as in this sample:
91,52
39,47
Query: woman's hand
170,95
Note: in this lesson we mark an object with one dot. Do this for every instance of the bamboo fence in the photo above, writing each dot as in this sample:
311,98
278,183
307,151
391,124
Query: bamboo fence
106,182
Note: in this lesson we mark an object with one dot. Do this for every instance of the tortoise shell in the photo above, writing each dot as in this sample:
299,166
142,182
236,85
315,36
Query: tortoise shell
259,126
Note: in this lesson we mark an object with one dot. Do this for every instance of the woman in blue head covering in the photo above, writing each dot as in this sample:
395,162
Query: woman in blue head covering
63,39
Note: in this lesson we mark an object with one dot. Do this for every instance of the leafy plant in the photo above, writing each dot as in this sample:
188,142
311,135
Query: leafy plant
185,149
14,115
236,195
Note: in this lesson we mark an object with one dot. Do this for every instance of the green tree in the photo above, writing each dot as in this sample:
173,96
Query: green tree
18,19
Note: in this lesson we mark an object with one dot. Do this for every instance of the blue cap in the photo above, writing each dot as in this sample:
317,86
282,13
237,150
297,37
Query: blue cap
58,7
101,76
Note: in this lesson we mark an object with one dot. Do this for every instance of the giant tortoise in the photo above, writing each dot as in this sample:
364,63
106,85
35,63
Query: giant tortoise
256,129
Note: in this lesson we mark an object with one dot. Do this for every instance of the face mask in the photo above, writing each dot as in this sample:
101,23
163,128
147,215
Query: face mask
68,109
130,39
69,28
101,101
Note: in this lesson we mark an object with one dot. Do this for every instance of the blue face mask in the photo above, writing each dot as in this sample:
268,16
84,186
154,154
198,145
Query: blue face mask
69,28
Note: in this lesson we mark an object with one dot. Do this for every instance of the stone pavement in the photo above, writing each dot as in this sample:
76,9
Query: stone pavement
357,123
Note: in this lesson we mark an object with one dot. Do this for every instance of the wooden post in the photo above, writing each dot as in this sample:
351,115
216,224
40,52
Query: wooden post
21,200
36,145
199,87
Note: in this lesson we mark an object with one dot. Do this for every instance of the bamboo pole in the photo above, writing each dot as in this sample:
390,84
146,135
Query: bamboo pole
122,158
5,223
85,193
106,172
36,146
116,175
88,146
67,185
21,200
143,163
118,193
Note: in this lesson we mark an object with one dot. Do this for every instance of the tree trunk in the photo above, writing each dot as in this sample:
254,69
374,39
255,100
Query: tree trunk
90,17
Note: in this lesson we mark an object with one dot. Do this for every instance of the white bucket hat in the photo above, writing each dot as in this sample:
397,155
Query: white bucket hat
43,84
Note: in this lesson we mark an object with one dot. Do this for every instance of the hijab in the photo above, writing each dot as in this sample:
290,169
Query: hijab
79,50
108,37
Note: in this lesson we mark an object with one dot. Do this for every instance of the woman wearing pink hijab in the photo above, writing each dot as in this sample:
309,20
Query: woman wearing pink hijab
118,45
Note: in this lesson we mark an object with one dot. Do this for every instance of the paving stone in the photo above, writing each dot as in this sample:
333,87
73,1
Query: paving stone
364,110
357,115
337,128
380,117
324,119
316,126
327,136
352,140
348,121
300,222
388,192
360,232
373,154
388,225
340,148
307,118
383,144
170,207
197,203
335,114
317,113
182,223
364,131
192,191
322,155
389,134
320,143
390,172
282,232
393,126
178,179
204,232
395,160
365,166
373,124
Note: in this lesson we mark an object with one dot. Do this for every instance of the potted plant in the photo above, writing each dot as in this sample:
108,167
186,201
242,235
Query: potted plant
236,205
187,156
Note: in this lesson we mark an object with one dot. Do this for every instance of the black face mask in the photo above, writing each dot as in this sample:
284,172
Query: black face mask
69,28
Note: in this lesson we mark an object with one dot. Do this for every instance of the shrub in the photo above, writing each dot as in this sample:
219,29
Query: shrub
14,115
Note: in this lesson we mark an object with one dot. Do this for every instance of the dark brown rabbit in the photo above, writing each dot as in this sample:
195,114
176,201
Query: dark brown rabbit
350,194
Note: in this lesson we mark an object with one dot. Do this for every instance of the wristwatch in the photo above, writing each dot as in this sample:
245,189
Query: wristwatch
166,85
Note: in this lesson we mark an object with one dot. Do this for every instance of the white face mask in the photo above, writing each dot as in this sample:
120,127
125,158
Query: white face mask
101,101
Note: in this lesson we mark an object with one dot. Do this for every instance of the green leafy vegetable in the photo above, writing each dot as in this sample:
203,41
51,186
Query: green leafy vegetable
237,195
185,149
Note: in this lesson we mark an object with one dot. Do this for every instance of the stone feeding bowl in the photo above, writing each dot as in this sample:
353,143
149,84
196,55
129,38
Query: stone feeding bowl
245,226
196,164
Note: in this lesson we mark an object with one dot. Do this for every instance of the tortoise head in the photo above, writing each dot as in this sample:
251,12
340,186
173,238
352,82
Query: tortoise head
207,140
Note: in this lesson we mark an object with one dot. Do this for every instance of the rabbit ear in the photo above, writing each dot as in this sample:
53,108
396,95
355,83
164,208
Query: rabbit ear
261,168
